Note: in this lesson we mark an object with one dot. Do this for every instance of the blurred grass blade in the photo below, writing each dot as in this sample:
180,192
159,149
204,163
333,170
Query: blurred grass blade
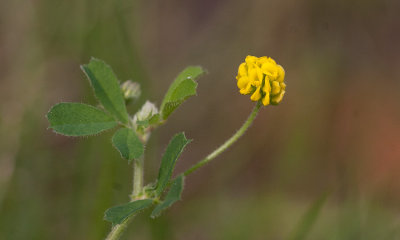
78,119
106,88
168,161
173,195
120,213
307,221
182,88
128,144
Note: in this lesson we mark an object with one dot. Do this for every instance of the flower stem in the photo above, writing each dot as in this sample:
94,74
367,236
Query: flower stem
228,143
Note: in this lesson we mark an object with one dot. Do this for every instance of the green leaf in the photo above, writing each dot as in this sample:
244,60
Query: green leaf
128,144
77,119
173,195
153,120
168,161
308,219
119,214
183,87
106,88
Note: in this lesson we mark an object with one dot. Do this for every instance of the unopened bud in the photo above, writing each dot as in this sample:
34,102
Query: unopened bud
147,111
130,89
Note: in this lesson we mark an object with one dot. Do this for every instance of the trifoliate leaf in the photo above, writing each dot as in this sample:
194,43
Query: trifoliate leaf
128,144
183,87
173,195
119,214
168,161
77,119
106,88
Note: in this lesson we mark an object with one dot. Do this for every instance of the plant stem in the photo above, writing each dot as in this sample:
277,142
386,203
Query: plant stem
228,143
138,176
119,229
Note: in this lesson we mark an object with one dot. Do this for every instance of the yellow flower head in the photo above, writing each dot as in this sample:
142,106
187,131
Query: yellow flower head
262,78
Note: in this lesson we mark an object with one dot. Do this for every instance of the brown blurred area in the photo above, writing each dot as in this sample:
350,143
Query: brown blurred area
337,129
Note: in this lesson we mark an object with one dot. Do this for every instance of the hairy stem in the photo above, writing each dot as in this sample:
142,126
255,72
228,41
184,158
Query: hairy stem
137,177
228,143
119,229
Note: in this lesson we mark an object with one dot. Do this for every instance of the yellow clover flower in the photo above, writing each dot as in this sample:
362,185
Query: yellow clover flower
263,79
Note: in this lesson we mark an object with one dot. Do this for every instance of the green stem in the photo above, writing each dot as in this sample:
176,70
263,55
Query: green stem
228,143
137,176
119,229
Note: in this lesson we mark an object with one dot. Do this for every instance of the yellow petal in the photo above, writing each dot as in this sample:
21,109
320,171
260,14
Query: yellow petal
281,74
271,60
253,76
242,82
275,88
270,69
259,74
262,60
265,100
256,95
278,98
256,84
283,85
251,59
246,90
267,85
242,69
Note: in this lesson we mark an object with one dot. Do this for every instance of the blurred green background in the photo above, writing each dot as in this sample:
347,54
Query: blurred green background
337,129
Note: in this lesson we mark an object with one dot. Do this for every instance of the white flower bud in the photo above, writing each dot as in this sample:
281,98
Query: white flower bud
146,112
130,89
